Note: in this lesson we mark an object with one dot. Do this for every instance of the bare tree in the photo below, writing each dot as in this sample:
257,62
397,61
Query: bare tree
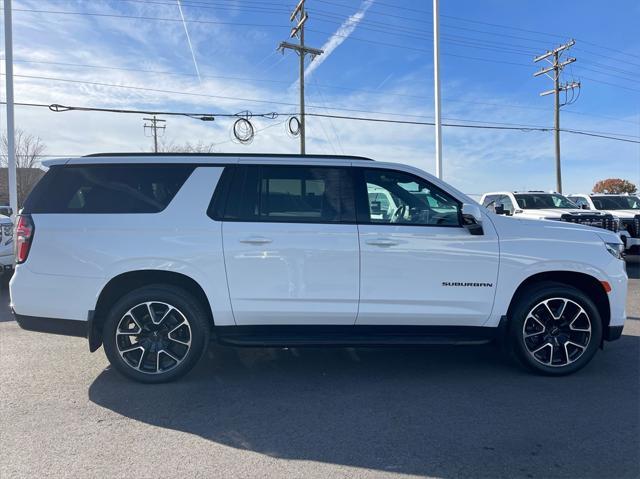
198,147
29,150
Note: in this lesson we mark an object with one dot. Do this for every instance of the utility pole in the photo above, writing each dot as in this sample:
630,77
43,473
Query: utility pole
436,85
153,126
11,140
553,71
301,17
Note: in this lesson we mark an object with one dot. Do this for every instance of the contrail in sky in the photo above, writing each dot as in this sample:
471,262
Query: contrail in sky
341,34
195,63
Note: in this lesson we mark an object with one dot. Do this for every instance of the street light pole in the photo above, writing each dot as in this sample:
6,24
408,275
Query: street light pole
436,86
11,145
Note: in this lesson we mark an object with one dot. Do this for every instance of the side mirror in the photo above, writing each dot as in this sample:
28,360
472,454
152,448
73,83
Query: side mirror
472,218
499,210
376,208
585,207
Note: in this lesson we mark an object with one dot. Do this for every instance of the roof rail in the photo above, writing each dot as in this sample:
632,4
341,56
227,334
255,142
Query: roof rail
227,155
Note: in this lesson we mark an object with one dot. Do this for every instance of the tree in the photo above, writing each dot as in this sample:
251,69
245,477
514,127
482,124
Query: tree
614,185
199,147
29,150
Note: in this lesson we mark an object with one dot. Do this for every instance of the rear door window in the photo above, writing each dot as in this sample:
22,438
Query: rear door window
107,188
290,194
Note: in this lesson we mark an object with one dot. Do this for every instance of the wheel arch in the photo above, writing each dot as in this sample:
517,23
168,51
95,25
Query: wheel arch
125,282
586,283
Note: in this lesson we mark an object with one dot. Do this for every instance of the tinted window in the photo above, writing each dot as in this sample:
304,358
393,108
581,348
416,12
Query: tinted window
402,198
616,202
535,201
291,194
107,189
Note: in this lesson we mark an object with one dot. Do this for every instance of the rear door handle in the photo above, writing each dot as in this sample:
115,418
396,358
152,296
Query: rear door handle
382,242
256,240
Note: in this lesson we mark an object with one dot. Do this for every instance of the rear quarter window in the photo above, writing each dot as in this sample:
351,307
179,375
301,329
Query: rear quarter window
107,188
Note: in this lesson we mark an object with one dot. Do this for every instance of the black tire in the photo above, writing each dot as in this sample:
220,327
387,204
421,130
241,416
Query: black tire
173,357
567,357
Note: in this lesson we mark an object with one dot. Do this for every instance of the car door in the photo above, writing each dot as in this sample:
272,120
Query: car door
420,266
291,245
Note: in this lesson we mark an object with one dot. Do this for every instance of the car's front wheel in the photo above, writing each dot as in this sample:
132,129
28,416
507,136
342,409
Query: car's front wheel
555,329
155,334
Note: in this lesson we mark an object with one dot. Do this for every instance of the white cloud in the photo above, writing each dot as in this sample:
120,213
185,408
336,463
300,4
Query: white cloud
340,35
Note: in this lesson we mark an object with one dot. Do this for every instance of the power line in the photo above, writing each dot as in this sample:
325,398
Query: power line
155,90
321,85
137,17
479,22
386,26
470,42
273,115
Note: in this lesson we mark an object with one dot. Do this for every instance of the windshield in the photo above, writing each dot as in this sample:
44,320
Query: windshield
616,202
539,201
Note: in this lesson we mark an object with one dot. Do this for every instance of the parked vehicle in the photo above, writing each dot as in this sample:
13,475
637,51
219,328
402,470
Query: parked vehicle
546,206
150,255
626,207
6,246
6,210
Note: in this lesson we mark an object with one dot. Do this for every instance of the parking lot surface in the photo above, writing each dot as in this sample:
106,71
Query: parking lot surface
436,412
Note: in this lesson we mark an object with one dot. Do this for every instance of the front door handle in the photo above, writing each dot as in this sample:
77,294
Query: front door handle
382,242
256,240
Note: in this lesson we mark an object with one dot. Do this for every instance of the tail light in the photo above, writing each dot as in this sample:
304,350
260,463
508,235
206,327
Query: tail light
23,237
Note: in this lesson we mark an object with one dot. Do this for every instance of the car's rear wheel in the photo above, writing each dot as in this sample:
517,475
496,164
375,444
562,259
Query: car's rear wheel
555,329
155,334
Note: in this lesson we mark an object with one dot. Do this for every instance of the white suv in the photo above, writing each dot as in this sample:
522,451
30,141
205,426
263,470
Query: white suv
150,255
625,207
541,205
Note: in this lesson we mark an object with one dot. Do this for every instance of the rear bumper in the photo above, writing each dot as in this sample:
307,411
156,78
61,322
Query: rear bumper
66,327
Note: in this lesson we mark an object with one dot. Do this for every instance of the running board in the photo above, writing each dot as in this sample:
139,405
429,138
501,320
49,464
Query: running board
342,336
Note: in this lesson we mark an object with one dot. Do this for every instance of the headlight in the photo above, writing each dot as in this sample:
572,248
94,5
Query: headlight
616,249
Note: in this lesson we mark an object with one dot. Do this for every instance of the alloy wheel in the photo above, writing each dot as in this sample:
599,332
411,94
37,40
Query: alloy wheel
557,332
153,337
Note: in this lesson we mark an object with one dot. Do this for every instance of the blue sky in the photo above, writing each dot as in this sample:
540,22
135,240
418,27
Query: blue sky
380,62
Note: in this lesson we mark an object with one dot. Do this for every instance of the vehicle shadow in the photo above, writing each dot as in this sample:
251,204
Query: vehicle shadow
438,411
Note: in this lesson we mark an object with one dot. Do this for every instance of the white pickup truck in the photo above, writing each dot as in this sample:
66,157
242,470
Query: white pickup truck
625,207
541,205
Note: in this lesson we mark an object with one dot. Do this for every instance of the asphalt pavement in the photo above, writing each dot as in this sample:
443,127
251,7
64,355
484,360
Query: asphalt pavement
442,412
